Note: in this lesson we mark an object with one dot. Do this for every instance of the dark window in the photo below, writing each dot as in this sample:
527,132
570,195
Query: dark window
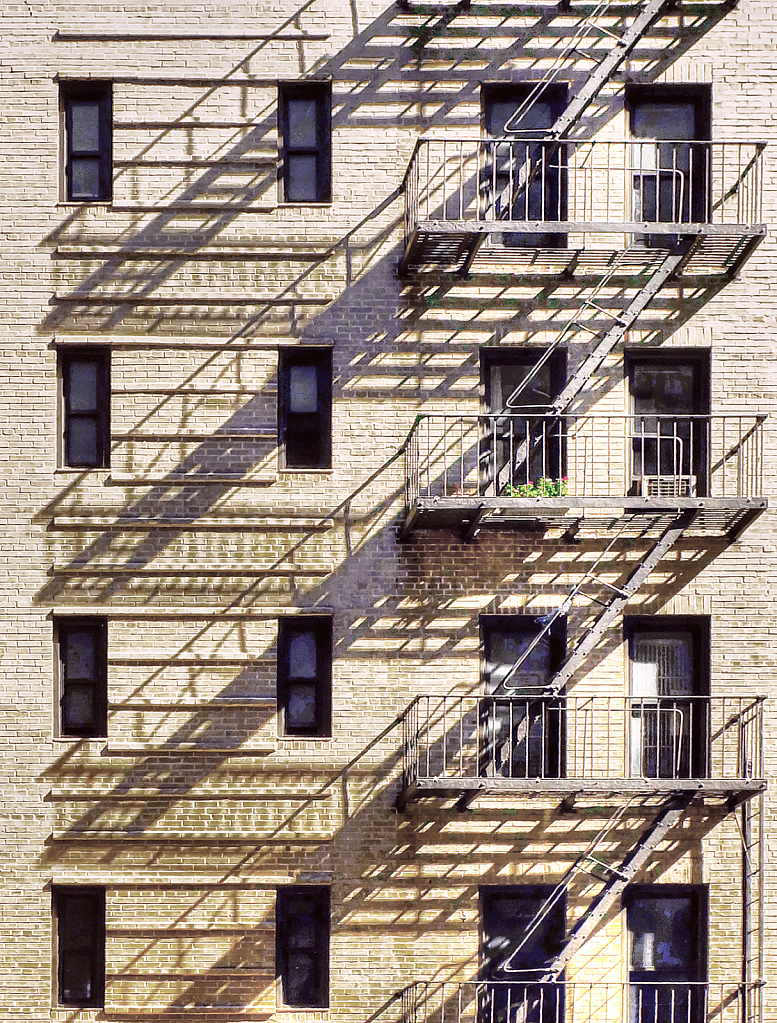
83,675
306,142
87,111
305,675
667,927
80,929
86,405
670,425
517,115
305,408
522,447
521,934
668,691
672,162
302,946
521,729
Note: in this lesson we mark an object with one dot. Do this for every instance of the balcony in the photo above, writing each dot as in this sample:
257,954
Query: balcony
583,472
582,207
579,1001
566,746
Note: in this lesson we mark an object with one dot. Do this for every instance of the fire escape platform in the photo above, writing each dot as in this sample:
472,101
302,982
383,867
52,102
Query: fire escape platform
716,517
718,251
729,791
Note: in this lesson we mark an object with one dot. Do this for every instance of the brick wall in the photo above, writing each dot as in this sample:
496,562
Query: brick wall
192,811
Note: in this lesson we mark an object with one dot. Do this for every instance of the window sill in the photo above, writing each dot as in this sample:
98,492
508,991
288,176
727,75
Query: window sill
73,204
77,1012
311,204
296,472
290,1009
68,471
95,741
305,738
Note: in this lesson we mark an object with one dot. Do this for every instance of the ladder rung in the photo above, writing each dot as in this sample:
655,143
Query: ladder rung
584,326
615,589
604,312
606,866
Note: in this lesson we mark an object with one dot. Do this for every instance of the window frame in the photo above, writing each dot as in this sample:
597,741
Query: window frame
99,92
502,715
101,356
699,893
700,360
322,627
320,896
98,625
490,623
297,430
487,896
321,93
59,894
699,628
698,625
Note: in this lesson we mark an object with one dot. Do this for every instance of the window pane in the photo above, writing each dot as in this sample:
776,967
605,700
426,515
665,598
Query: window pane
302,178
663,390
662,665
82,388
662,934
85,127
78,705
76,922
665,121
301,978
302,123
76,977
303,389
85,177
301,707
506,648
79,654
302,930
83,446
302,655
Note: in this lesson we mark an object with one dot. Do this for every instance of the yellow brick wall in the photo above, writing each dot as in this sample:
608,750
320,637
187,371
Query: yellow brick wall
192,811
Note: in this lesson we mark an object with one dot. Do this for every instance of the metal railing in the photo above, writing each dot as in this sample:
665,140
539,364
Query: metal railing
584,456
533,1001
590,737
597,183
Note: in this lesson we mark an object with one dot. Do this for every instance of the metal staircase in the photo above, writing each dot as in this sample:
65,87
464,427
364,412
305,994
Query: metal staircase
612,606
668,817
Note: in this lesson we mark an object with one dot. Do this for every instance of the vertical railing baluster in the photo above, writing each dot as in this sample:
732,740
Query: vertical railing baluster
461,181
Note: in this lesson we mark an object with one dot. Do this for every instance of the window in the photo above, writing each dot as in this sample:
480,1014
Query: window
305,408
669,408
522,931
85,376
521,729
305,675
522,447
513,113
302,946
667,926
83,676
80,945
668,692
306,142
672,162
87,113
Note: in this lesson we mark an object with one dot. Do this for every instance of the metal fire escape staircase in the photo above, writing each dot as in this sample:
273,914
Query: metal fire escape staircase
612,606
615,879
615,598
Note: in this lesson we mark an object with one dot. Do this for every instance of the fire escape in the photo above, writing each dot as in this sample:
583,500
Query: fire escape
599,212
